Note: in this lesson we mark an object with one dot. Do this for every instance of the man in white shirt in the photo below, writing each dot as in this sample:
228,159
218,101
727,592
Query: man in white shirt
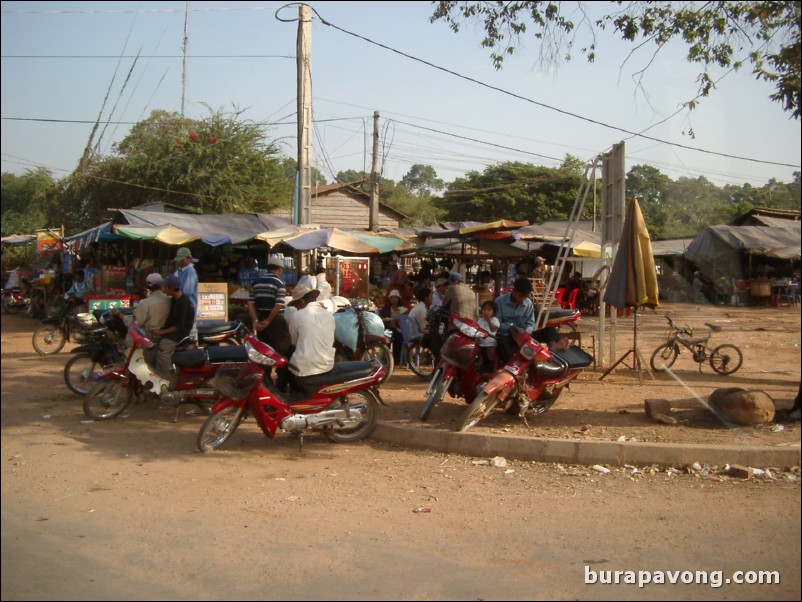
312,334
420,312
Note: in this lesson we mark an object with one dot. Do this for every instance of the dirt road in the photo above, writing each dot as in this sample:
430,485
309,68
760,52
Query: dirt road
128,510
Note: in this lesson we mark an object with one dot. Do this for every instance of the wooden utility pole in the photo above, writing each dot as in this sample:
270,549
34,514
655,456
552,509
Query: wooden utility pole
374,177
304,63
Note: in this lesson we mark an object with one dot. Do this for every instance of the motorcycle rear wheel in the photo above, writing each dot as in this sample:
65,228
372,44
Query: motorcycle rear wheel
49,339
107,399
382,353
218,428
480,408
421,360
437,393
354,431
79,373
9,306
664,357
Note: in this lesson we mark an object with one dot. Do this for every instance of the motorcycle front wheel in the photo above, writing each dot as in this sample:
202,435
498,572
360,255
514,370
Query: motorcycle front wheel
421,360
437,391
664,357
49,339
107,399
218,428
354,429
80,372
480,408
726,359
381,352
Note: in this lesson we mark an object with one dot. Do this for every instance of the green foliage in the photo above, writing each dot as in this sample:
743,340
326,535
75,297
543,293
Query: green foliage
513,190
214,165
25,200
422,179
717,34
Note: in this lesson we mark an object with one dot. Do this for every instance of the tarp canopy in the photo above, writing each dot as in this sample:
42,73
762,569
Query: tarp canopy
676,246
214,230
331,238
170,235
471,247
102,233
455,229
18,240
717,248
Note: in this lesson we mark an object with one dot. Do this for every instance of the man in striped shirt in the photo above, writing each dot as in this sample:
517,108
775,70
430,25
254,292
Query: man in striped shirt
266,308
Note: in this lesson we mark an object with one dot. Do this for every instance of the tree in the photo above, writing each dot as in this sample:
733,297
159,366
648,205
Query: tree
214,165
515,191
25,200
766,35
422,179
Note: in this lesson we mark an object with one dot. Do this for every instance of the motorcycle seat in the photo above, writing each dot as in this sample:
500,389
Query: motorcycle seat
573,357
559,314
342,372
197,358
217,327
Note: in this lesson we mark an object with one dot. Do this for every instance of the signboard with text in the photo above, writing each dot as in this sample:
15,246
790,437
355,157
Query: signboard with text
212,301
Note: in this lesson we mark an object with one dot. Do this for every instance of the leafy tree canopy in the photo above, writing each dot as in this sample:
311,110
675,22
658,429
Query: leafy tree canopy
214,165
766,35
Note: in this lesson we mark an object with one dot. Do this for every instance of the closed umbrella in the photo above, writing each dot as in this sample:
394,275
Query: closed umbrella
633,279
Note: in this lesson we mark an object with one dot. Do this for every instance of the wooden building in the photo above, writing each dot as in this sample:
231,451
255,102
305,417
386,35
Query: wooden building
345,206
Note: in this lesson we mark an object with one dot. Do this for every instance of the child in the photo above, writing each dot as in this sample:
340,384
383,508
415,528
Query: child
489,322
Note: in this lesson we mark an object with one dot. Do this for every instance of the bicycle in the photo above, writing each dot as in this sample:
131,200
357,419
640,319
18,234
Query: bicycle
724,359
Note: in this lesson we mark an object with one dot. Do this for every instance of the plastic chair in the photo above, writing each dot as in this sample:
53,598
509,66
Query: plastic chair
410,332
571,302
558,296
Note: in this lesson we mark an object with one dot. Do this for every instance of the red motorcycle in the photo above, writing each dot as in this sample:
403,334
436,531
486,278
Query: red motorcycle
342,403
461,366
530,382
115,388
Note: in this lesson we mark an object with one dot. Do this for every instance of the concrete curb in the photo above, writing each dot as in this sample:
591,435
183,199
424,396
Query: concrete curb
571,451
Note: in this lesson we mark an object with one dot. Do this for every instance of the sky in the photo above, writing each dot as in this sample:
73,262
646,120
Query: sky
67,64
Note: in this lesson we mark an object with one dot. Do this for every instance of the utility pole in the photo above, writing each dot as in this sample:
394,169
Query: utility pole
304,65
374,177
184,62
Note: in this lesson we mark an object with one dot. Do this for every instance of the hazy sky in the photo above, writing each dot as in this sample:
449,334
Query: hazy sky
60,60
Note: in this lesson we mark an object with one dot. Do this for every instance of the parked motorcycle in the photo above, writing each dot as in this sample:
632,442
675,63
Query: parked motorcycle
15,300
360,334
529,383
461,367
195,369
222,333
60,327
343,403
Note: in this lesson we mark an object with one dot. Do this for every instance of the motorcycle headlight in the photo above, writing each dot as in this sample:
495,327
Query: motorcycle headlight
469,330
257,357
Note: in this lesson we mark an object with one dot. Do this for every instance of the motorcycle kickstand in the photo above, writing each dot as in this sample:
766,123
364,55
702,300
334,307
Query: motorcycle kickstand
300,443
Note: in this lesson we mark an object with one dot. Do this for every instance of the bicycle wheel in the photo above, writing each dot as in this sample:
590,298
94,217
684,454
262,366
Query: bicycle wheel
421,360
49,339
664,357
79,373
726,359
381,352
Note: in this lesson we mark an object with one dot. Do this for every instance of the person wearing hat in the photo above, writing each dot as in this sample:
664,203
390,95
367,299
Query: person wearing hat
460,300
392,309
266,309
540,271
179,324
312,334
153,310
141,287
439,293
187,275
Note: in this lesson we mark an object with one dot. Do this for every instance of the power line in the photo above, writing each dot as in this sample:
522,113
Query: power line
540,104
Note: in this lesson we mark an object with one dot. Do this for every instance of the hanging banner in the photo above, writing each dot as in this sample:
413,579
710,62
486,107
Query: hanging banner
49,240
